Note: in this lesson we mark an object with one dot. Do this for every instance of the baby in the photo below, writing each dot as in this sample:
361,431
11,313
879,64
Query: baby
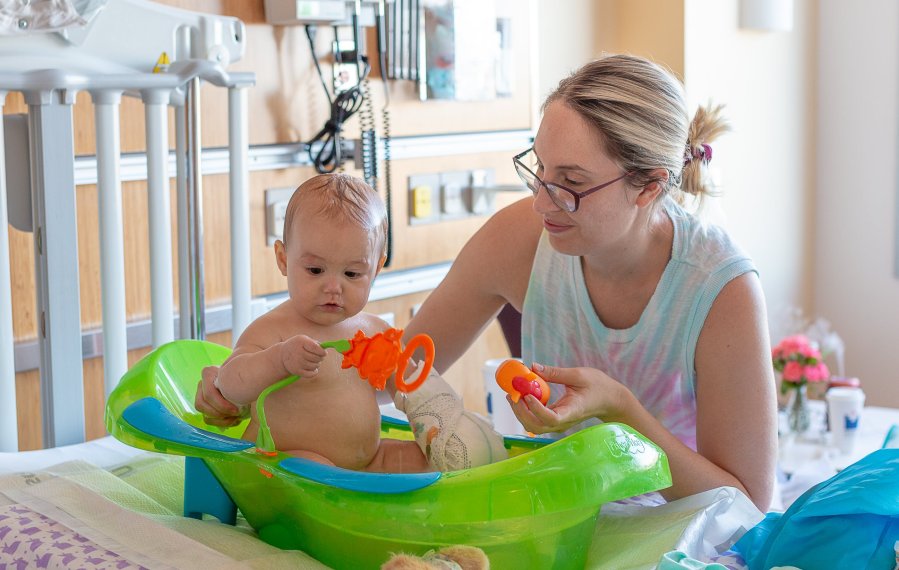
334,245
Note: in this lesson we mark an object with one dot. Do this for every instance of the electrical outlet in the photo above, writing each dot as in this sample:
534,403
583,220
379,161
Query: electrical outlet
424,198
276,200
482,194
453,189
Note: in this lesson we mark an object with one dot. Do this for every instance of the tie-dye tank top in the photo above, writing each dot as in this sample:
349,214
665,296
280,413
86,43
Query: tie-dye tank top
655,357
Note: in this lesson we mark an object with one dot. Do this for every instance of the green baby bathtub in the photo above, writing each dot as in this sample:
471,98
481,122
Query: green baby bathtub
536,509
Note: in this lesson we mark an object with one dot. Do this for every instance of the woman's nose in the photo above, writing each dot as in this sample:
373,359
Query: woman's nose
542,201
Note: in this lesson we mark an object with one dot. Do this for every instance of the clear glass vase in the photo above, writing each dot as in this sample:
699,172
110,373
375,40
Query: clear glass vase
798,416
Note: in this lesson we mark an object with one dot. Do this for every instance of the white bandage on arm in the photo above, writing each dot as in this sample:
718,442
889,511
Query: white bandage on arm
451,437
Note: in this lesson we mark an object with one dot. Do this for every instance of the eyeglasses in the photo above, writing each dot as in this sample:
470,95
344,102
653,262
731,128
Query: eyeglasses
565,198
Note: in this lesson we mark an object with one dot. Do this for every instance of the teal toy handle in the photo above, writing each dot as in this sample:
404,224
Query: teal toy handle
264,440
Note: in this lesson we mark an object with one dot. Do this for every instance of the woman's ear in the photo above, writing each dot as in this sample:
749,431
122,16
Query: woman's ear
652,189
281,256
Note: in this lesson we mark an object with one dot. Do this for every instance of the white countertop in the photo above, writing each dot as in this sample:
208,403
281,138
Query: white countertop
807,460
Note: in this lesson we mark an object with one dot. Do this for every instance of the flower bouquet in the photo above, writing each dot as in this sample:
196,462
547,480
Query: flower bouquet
799,362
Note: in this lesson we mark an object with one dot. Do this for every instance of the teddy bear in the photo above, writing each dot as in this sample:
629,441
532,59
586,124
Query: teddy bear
447,558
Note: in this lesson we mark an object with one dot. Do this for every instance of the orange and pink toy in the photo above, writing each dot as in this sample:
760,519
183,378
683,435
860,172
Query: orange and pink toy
518,380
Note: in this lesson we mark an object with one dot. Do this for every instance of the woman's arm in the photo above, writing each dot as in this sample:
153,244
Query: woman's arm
492,269
736,425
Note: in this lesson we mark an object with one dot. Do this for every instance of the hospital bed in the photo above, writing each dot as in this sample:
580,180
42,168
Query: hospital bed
111,501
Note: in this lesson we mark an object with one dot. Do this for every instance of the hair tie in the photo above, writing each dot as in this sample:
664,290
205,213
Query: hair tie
703,152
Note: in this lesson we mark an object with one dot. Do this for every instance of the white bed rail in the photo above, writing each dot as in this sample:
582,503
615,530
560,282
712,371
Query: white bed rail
49,69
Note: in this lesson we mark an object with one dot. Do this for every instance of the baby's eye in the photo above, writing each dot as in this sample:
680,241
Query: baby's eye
315,270
353,274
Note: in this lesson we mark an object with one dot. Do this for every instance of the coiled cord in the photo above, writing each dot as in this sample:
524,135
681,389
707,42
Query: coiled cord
369,143
388,202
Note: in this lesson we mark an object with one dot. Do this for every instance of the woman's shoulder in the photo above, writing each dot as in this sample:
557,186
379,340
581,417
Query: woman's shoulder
511,232
703,244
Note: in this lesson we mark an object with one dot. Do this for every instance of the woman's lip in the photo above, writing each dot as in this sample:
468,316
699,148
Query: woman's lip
554,228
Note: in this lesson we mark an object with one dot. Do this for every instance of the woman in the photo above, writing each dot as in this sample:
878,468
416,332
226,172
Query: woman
638,312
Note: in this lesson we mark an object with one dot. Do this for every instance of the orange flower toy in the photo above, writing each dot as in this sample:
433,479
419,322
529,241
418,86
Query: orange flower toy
518,380
380,356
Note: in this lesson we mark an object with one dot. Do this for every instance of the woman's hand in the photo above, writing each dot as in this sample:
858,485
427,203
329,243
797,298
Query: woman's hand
216,409
589,393
302,355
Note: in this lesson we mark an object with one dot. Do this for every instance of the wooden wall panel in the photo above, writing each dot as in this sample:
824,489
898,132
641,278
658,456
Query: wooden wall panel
24,301
417,245
286,105
29,405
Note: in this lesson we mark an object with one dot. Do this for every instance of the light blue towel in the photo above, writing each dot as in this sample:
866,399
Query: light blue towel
676,560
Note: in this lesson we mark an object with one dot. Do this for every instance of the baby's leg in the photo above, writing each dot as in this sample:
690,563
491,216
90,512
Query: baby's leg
450,436
395,456
310,455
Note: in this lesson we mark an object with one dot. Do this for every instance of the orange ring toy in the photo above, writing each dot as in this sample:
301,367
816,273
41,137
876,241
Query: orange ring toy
426,343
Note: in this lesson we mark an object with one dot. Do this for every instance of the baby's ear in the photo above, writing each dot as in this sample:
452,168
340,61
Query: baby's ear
281,256
381,263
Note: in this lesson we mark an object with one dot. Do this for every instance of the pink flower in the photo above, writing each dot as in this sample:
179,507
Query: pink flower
793,371
809,351
811,373
799,360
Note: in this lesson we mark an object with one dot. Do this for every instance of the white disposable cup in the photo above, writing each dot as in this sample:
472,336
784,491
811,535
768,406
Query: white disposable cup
504,420
844,411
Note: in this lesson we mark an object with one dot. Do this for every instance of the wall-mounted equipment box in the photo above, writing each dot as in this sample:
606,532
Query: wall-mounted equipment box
323,12
276,200
292,12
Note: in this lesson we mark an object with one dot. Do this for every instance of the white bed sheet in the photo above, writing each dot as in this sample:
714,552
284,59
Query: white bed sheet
81,487
104,452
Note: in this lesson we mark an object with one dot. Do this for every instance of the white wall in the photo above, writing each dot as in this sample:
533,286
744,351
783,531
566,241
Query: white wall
855,284
765,165
564,41
810,172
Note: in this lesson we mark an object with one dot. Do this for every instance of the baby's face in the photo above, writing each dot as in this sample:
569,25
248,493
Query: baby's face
330,266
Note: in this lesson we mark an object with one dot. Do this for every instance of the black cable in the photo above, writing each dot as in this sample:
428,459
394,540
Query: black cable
330,154
310,35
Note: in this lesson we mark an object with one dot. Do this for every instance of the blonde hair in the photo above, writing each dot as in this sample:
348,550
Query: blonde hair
639,110
339,196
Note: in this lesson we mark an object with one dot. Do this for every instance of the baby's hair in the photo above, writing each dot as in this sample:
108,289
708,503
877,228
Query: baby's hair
639,110
340,196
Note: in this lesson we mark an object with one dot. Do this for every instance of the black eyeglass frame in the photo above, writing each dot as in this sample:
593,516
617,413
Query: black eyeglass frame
550,186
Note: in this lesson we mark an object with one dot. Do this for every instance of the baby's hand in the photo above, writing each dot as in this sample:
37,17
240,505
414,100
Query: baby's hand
302,355
209,401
